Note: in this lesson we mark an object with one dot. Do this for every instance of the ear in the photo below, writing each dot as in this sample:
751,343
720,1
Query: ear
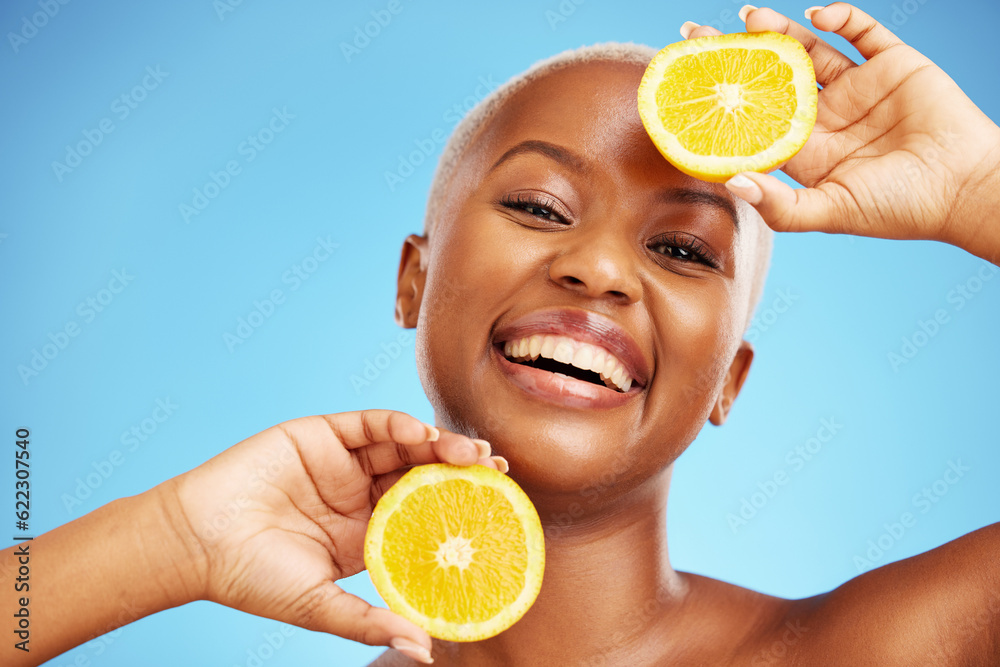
410,281
734,381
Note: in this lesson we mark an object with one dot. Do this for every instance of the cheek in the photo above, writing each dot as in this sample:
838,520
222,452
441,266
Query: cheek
475,274
478,268
699,340
471,266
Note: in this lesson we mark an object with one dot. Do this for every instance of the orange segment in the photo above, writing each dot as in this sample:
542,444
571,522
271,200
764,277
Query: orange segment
716,106
457,550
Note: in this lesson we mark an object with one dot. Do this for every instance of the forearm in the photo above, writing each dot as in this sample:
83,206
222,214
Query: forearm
109,568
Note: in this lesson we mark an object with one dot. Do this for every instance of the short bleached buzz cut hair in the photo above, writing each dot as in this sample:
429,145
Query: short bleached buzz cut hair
478,118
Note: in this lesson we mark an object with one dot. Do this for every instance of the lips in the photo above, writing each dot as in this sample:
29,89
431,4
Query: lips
571,356
566,351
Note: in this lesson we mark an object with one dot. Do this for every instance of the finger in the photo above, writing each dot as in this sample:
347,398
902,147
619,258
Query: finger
691,30
867,35
327,608
383,483
454,448
384,457
367,427
501,464
784,209
828,62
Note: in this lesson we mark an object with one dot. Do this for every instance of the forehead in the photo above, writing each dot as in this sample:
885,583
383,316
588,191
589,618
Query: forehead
590,107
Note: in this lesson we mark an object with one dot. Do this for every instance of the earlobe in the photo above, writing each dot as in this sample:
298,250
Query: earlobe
738,370
410,280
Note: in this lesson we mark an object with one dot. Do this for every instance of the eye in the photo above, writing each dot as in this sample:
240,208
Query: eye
676,251
683,249
534,205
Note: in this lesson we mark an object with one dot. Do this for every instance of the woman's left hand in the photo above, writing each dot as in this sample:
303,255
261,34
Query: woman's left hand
898,150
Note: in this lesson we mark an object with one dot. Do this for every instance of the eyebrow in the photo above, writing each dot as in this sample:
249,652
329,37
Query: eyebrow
557,153
701,198
570,159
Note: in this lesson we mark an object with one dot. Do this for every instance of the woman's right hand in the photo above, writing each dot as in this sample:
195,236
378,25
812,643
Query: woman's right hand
277,519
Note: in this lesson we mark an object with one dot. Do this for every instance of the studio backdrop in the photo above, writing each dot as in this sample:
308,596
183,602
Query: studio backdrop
203,205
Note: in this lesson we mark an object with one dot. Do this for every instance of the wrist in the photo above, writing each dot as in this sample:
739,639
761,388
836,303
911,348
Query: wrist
175,554
975,218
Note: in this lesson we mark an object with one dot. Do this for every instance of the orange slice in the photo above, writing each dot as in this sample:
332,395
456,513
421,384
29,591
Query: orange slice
457,550
716,106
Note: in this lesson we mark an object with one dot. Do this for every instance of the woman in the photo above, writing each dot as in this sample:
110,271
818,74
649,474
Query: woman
557,216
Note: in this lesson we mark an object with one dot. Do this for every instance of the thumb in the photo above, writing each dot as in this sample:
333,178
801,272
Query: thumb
329,609
785,209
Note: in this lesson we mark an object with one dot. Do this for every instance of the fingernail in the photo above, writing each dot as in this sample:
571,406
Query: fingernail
688,28
812,10
412,649
501,462
432,433
745,189
482,447
744,10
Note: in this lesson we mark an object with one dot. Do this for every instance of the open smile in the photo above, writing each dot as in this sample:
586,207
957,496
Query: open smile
571,357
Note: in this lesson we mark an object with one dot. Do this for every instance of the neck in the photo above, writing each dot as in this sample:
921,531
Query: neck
608,584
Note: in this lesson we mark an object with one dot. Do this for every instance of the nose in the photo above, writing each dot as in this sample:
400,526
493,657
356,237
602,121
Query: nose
596,264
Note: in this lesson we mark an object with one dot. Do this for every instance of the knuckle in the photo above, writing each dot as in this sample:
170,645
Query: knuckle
309,606
403,452
366,426
864,33
369,632
334,425
781,221
288,430
365,462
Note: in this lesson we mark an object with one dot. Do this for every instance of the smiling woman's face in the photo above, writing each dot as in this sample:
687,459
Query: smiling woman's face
566,229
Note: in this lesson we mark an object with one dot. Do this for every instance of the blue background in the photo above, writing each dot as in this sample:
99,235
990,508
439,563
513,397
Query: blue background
323,176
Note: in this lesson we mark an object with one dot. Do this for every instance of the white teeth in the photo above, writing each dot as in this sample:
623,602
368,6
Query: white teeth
563,352
609,366
534,346
569,351
597,363
583,356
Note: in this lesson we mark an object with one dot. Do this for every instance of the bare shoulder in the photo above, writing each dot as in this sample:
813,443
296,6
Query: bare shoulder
941,607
